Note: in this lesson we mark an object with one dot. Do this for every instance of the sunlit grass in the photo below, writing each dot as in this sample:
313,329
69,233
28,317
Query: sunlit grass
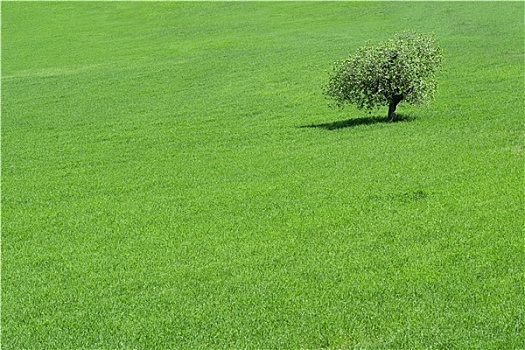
173,178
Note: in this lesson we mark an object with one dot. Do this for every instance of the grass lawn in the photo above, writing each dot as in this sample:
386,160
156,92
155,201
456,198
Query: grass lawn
172,178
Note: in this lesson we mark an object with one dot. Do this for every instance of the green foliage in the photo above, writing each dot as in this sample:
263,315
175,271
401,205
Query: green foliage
399,69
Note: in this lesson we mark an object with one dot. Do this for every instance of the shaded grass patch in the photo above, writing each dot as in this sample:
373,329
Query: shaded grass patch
353,122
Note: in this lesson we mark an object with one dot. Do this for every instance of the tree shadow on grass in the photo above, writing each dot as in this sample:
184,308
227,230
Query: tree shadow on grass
350,123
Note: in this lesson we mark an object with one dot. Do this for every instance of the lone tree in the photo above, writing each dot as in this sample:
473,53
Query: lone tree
399,69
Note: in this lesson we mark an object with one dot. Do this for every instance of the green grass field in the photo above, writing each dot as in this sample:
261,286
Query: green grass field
173,178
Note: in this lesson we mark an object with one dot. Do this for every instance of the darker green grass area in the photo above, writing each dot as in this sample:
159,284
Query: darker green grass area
172,178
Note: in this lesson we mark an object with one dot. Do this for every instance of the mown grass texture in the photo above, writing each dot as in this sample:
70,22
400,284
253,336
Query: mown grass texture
172,178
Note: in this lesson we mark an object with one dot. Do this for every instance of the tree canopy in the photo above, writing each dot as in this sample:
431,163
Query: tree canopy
400,69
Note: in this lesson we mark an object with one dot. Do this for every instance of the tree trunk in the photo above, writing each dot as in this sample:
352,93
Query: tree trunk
392,108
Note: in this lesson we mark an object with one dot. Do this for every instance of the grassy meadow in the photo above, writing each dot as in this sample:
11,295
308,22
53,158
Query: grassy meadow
173,178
